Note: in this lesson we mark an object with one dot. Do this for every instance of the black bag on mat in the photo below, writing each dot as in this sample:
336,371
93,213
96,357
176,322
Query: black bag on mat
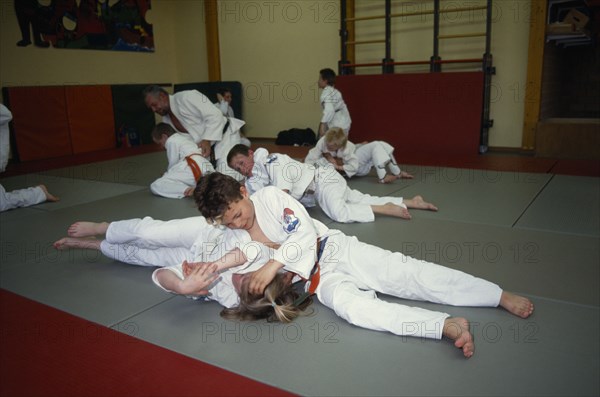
296,136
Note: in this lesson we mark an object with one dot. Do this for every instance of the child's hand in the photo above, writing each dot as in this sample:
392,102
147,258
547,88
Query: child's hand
328,157
188,192
262,277
205,147
199,279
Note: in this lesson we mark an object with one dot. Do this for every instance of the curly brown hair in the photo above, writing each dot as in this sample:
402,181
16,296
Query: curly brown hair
214,193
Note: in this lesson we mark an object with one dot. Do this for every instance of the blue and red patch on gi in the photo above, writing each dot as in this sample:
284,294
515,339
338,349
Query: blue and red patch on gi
290,221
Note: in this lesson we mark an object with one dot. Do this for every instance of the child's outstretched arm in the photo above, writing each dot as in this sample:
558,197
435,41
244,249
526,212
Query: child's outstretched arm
233,258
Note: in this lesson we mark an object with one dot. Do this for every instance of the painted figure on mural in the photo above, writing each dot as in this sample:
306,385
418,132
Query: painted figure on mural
89,24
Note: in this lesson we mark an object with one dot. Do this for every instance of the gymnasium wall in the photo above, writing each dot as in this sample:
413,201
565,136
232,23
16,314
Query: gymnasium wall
271,49
275,50
180,53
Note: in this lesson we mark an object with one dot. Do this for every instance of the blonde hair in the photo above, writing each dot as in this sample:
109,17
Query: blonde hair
279,303
336,136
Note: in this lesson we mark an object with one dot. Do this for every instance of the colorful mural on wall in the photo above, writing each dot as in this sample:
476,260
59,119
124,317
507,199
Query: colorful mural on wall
85,24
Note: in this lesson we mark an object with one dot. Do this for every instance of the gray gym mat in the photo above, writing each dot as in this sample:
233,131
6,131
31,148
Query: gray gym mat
135,170
475,196
321,355
569,204
86,284
71,191
555,352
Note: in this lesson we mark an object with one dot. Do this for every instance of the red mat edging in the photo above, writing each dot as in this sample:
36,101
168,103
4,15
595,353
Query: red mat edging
47,352
577,167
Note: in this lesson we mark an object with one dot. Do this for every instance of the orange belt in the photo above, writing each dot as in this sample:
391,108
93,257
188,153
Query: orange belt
315,278
194,166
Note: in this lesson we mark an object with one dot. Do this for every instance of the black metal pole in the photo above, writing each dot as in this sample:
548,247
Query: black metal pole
387,67
342,69
488,71
435,66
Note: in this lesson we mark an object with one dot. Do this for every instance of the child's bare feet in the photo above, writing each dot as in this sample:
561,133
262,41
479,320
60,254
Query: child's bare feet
391,209
49,196
405,175
389,178
75,242
517,305
457,329
87,229
417,202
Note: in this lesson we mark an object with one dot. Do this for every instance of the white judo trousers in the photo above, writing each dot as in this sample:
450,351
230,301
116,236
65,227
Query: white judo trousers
343,204
150,242
21,198
352,271
376,154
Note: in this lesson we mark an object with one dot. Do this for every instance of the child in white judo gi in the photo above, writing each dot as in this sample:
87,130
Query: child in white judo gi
334,150
224,98
25,197
307,183
349,159
343,272
193,256
21,197
335,111
379,155
186,164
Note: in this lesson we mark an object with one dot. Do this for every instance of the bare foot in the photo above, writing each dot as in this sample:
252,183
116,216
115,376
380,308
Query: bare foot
49,196
392,210
389,178
87,229
406,175
517,305
457,329
75,242
417,202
